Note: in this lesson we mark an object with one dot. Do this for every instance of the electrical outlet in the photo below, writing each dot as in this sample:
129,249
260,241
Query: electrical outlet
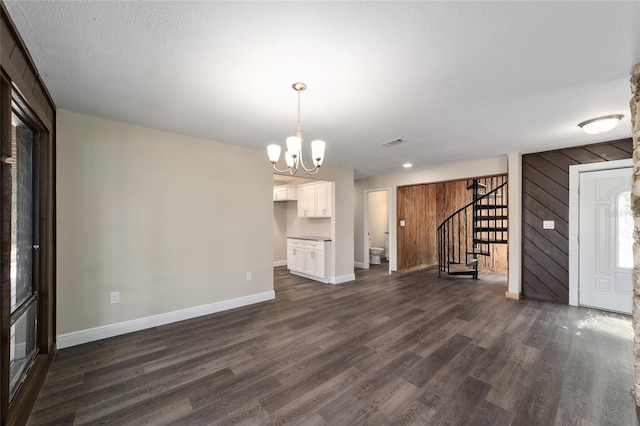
114,297
249,276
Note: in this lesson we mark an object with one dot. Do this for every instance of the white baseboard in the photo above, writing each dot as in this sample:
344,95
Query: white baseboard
97,333
360,265
342,279
279,263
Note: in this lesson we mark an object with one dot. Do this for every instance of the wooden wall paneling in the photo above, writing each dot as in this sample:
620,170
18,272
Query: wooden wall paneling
608,152
424,207
558,159
582,155
421,228
624,145
431,228
417,243
415,223
543,180
400,237
450,196
404,239
546,197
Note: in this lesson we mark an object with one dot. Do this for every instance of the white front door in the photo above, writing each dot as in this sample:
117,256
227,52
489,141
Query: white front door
606,239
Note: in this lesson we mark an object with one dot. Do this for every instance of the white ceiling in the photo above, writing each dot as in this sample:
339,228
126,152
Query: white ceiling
457,80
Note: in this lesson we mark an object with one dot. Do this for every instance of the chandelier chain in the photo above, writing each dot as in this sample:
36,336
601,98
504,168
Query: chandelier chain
299,132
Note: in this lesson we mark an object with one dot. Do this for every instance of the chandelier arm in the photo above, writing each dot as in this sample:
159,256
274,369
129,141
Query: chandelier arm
291,170
283,170
313,170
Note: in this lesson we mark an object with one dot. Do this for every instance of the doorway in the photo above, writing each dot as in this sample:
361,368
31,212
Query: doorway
601,234
378,229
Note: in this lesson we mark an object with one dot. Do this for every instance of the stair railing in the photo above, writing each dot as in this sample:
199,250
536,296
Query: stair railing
468,232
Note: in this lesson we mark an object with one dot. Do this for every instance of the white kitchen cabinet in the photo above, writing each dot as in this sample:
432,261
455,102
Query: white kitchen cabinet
285,193
306,200
308,258
315,199
314,258
323,199
295,255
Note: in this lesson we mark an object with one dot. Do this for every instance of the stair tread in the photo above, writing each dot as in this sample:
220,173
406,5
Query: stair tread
466,263
491,228
482,253
467,272
495,217
481,241
491,206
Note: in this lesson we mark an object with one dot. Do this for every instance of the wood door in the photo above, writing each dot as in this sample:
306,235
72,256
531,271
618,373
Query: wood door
606,239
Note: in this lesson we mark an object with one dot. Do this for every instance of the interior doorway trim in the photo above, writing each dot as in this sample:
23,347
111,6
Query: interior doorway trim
574,218
392,231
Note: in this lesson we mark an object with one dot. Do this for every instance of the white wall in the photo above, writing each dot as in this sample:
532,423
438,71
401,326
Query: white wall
341,267
170,221
484,167
280,230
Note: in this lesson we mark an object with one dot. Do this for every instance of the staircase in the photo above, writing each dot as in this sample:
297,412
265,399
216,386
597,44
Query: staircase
470,231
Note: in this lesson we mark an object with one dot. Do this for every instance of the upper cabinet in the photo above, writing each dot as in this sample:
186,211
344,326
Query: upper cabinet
324,196
285,193
315,199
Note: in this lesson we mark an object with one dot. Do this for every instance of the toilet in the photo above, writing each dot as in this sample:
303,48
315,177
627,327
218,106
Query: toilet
375,253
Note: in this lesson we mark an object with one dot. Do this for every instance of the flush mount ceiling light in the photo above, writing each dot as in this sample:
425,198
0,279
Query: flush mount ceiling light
601,124
293,155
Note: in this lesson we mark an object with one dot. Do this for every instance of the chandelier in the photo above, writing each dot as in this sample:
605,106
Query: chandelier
293,155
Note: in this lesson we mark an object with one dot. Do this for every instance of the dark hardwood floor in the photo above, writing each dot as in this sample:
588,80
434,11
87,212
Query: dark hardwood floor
383,350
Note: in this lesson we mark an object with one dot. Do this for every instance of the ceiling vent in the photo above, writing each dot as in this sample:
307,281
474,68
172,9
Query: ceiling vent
394,143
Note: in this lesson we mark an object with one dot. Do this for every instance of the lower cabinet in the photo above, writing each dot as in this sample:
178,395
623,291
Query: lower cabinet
314,259
308,258
295,255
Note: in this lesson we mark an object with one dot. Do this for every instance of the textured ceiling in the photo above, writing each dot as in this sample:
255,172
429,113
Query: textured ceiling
456,80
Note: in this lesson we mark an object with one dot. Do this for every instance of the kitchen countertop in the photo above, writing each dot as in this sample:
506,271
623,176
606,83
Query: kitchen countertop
311,238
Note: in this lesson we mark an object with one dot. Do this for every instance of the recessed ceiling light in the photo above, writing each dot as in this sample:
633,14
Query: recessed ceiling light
601,124
407,165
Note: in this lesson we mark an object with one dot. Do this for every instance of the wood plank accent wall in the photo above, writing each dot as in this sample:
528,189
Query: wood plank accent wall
423,207
545,254
416,240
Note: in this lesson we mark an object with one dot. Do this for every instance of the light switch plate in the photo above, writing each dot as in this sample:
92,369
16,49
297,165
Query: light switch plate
402,223
548,224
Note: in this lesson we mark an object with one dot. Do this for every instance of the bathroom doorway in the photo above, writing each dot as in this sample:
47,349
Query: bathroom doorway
378,230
